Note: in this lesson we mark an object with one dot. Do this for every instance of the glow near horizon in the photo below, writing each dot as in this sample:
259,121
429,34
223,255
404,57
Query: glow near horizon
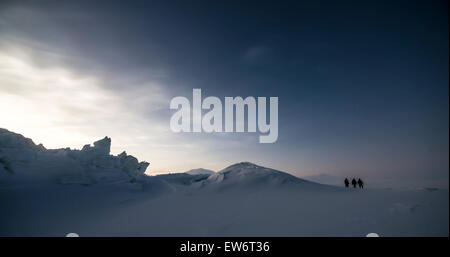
60,108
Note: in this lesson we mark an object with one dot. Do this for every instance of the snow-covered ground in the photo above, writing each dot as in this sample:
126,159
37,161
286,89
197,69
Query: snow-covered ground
92,193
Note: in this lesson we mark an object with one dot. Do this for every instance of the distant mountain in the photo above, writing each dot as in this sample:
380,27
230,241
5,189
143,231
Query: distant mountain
200,171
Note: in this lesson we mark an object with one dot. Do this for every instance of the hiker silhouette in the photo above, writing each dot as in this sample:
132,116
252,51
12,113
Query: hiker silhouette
354,183
360,183
346,182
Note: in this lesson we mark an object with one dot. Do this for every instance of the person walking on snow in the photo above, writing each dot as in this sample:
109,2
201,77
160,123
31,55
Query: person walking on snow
354,183
346,182
360,183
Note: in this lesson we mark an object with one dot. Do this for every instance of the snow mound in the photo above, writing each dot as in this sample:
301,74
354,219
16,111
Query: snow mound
21,159
247,175
200,171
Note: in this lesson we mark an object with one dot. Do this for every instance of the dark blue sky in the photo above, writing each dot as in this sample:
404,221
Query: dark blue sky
362,85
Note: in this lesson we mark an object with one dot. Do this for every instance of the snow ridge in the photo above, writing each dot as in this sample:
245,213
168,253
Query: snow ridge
21,157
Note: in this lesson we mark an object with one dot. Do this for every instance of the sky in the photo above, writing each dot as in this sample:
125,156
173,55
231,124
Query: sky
362,85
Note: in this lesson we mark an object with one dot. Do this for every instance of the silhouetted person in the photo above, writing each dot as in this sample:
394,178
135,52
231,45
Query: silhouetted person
354,183
346,182
360,183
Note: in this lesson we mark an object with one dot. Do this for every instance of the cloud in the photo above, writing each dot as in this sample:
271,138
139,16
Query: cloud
60,107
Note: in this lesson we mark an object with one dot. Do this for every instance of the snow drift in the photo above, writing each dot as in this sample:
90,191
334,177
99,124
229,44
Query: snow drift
249,176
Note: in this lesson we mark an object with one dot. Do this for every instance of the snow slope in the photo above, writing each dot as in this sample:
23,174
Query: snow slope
90,192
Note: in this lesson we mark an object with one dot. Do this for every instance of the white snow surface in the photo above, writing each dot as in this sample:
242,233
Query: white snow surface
92,193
